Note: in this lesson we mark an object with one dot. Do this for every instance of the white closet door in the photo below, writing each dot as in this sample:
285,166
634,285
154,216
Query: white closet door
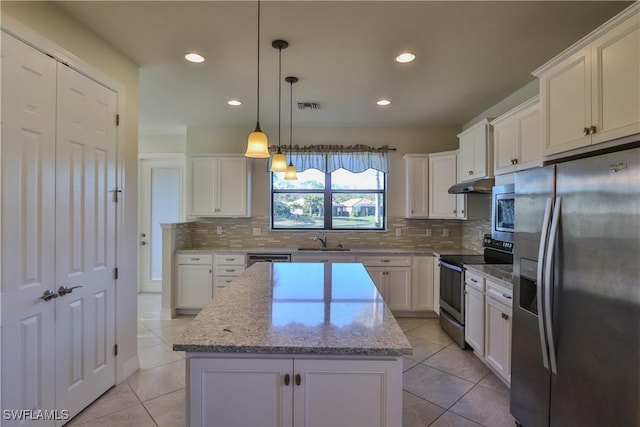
28,201
85,238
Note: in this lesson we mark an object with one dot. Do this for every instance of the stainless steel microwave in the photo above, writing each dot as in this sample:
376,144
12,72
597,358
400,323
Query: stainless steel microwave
503,212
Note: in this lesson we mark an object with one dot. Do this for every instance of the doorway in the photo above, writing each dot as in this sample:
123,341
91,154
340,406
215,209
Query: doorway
161,201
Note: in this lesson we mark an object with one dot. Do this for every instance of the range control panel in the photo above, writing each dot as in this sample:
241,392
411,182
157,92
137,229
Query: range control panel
489,242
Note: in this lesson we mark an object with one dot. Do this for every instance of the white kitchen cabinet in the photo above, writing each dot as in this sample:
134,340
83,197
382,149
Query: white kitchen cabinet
194,280
591,92
226,267
516,138
323,257
392,277
219,186
292,391
476,152
436,285
416,167
498,329
442,175
474,316
422,292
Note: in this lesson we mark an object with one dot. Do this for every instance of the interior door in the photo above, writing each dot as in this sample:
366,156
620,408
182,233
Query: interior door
28,198
85,240
161,184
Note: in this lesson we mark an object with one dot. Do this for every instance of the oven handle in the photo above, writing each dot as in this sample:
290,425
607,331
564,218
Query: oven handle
450,266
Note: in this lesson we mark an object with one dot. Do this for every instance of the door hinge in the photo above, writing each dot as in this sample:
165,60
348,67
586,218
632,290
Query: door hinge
117,119
115,273
115,349
116,193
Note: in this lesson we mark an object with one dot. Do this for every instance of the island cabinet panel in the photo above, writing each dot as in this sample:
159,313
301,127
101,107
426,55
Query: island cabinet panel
288,391
240,392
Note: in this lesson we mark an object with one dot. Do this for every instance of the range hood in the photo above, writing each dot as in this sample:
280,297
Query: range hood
483,186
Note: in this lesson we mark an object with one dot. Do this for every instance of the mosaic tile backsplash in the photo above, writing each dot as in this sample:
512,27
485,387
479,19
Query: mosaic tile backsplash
238,233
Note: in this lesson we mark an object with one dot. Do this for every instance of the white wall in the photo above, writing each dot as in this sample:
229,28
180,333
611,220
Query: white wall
49,21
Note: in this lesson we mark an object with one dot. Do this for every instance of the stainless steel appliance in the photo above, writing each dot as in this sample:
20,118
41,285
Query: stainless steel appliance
252,258
452,283
576,315
503,212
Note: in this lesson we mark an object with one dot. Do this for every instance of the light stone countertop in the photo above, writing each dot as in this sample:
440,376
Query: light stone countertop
503,273
355,251
297,308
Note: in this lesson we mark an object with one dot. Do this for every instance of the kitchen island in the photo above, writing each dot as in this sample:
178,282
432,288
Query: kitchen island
295,344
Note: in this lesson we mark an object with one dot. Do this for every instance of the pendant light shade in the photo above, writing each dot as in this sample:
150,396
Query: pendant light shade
279,161
257,142
291,174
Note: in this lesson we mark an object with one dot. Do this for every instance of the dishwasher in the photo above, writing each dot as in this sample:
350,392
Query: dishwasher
257,257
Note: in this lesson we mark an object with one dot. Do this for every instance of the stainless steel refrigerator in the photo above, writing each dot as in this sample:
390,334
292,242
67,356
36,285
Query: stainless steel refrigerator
576,316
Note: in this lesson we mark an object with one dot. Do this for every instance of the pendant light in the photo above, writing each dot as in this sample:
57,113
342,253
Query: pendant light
291,174
279,161
258,143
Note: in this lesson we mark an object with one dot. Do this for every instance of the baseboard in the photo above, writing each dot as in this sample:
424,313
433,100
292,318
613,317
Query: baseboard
129,367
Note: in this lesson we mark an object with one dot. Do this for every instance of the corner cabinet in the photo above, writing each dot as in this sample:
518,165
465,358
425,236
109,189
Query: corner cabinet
416,167
219,186
516,138
442,175
591,92
476,152
194,280
392,277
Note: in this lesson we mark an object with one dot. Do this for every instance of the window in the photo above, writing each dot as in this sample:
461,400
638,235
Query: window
338,200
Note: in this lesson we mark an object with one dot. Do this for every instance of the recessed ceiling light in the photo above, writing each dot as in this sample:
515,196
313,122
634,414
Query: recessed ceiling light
383,102
405,57
194,57
234,102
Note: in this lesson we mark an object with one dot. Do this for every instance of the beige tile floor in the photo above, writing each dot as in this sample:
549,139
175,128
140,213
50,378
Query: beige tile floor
443,385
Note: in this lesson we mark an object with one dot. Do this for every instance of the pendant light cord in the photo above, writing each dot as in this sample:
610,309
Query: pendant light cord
258,82
291,118
279,93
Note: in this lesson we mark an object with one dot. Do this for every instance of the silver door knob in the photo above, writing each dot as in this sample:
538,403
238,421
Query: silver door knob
48,295
63,290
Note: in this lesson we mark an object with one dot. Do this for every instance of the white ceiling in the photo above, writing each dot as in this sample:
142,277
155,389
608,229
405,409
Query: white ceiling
470,55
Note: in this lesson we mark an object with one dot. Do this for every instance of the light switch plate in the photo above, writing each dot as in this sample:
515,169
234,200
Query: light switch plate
398,232
219,230
445,232
427,232
257,231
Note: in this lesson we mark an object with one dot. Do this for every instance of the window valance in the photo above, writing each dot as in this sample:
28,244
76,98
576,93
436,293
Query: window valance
328,158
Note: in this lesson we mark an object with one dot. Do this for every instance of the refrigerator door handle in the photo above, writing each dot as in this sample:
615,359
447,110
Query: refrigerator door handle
540,280
547,282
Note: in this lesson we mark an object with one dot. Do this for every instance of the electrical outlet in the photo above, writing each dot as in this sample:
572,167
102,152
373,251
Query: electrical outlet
445,232
398,232
427,232
257,231
480,235
219,230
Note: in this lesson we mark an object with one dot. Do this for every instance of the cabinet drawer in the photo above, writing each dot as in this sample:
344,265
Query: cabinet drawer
500,293
228,259
394,261
474,280
229,270
195,259
222,281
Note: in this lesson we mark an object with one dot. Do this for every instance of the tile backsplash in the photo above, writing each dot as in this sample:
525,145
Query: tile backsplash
239,233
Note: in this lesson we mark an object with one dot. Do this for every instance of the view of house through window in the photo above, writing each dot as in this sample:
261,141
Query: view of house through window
338,200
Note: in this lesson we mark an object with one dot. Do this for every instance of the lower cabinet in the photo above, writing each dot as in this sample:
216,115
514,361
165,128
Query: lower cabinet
392,277
194,280
474,319
226,267
292,391
498,330
422,292
323,258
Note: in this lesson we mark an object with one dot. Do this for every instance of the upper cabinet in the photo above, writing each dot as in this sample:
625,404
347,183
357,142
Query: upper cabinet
219,186
476,152
416,167
442,175
591,92
516,139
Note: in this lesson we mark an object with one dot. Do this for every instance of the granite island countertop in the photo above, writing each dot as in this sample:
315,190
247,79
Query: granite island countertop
297,308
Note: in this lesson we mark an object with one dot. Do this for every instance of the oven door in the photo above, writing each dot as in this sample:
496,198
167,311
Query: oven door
452,290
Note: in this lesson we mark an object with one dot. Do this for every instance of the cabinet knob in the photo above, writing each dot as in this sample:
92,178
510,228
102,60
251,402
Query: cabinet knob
585,131
287,379
298,379
515,161
592,130
470,172
454,211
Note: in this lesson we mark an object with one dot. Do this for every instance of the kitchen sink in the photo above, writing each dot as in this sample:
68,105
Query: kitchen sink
325,249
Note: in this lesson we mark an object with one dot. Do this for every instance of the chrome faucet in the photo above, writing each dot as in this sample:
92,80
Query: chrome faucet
322,239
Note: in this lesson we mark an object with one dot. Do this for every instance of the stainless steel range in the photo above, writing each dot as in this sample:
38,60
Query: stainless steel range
452,283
